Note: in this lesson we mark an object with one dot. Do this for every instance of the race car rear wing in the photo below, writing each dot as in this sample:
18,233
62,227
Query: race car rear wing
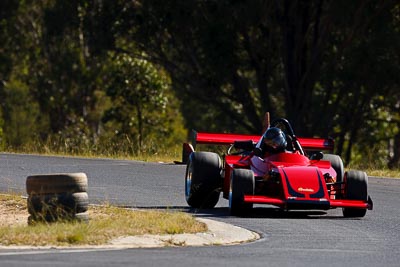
312,143
221,138
228,139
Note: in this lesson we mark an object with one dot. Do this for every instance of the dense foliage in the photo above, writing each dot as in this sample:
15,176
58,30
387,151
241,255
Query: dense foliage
120,73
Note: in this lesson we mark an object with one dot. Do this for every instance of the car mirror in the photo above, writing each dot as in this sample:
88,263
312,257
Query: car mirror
245,145
317,156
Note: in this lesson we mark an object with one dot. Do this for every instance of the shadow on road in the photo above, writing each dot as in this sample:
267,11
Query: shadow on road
256,213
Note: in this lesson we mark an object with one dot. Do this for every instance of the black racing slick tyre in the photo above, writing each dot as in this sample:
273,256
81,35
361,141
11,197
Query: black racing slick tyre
242,183
356,188
56,183
337,165
203,180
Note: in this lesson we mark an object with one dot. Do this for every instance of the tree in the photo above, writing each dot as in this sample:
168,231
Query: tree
59,55
233,60
21,115
328,66
7,13
141,100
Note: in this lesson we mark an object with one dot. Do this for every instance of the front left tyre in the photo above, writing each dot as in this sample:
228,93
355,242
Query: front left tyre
356,188
203,180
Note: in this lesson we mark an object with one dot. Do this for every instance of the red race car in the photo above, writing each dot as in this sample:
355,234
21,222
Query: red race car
277,169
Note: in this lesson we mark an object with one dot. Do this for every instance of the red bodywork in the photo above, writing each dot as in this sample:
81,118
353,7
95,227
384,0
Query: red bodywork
298,182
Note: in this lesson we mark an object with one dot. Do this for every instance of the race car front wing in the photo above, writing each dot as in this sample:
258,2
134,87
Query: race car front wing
298,203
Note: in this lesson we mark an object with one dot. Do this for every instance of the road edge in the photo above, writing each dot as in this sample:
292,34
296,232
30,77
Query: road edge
218,234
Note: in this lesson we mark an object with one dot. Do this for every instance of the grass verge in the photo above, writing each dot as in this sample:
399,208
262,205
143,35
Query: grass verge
122,150
106,223
383,173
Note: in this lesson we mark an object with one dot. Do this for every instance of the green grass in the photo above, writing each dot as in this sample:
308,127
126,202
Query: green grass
106,223
151,151
383,173
375,170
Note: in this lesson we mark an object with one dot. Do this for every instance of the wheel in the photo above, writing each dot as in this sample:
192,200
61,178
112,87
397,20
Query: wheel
356,188
56,183
50,203
203,180
337,165
242,183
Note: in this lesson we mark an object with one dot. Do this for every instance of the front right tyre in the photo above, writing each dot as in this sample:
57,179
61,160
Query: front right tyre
337,165
203,180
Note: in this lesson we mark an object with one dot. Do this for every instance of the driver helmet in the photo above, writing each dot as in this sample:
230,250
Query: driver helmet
275,140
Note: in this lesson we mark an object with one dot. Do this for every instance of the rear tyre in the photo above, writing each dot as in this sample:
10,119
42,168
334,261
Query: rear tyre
242,183
203,180
337,165
356,188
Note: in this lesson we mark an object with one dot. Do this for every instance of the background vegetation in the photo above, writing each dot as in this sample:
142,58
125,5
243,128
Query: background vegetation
133,76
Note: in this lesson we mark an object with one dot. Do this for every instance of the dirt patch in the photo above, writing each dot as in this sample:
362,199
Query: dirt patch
13,211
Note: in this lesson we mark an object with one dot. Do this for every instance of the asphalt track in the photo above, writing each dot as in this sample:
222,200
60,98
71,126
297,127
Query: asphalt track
288,239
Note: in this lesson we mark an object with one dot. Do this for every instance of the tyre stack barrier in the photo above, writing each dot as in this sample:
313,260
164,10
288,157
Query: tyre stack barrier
57,197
